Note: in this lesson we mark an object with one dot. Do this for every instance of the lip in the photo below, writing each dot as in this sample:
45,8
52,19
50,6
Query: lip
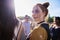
35,17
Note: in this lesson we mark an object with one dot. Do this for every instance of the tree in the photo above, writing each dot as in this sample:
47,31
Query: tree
50,19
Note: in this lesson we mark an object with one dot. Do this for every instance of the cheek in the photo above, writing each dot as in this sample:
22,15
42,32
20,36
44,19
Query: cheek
34,15
41,15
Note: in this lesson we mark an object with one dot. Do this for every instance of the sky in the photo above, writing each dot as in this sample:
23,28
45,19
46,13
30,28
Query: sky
24,7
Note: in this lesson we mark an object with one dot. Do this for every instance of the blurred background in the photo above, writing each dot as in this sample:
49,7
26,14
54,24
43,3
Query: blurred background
24,7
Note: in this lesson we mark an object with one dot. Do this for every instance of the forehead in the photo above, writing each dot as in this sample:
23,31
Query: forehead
36,8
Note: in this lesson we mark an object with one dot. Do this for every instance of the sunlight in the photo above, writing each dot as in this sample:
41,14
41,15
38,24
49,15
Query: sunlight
22,8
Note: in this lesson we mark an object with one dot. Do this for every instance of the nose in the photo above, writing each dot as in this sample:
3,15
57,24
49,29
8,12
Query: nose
34,15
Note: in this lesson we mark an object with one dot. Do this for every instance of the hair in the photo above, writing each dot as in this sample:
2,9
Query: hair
44,7
57,20
26,16
8,22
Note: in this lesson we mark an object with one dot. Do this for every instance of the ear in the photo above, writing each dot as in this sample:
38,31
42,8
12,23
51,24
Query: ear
44,13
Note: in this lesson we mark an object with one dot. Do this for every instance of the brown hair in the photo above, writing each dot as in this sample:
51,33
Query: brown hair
57,20
44,7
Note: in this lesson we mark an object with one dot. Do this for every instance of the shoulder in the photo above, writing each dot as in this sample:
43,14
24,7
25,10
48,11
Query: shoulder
23,22
45,25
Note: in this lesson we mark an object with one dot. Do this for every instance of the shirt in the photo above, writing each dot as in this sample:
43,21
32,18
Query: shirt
26,26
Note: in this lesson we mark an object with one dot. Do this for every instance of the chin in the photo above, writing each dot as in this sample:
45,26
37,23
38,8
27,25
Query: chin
36,20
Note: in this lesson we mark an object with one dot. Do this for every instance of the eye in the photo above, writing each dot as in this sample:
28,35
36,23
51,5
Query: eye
35,11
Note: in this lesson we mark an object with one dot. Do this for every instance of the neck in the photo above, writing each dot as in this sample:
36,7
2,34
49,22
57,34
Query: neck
40,21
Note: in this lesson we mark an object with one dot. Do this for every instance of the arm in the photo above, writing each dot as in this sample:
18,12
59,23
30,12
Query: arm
19,33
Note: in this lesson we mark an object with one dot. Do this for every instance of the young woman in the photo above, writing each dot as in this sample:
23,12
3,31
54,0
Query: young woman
56,30
41,31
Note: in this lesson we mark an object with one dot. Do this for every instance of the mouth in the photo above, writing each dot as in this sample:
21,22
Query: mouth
35,18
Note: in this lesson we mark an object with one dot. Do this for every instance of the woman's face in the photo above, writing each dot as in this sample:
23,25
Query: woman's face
37,13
